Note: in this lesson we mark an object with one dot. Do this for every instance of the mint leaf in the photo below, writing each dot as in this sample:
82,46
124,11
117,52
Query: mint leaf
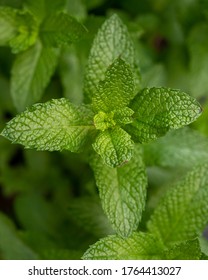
31,73
8,24
11,246
123,192
179,148
114,146
60,29
139,246
27,33
186,250
54,125
182,213
82,212
117,89
112,41
43,8
158,110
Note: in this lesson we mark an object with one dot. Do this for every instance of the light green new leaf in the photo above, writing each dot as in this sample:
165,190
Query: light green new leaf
123,192
112,41
31,73
182,213
114,146
139,246
117,89
54,125
61,29
11,246
186,250
27,33
43,8
8,24
158,110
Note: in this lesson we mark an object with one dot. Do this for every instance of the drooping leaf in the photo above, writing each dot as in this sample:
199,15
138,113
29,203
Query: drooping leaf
185,250
139,246
31,73
54,125
114,145
182,212
179,148
123,192
158,110
60,29
116,90
112,41
8,24
11,245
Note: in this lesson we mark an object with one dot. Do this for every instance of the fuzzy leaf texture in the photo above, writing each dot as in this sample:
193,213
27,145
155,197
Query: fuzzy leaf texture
111,41
122,192
158,110
182,213
60,29
54,125
114,146
139,246
8,28
31,73
117,89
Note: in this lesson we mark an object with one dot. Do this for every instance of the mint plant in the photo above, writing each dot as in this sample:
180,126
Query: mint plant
116,131
36,33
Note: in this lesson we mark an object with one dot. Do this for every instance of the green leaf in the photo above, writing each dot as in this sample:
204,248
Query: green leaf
179,148
60,29
114,146
139,246
43,8
117,89
123,192
182,213
158,110
27,33
11,246
112,41
82,212
54,125
8,28
31,73
186,250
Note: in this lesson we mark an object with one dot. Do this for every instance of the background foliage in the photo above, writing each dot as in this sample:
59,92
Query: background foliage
49,202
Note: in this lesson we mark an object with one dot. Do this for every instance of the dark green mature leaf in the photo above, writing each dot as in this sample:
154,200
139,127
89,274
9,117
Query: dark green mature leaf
31,73
117,89
123,192
186,250
158,110
139,246
60,29
11,246
8,24
114,146
112,41
179,148
182,213
54,125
